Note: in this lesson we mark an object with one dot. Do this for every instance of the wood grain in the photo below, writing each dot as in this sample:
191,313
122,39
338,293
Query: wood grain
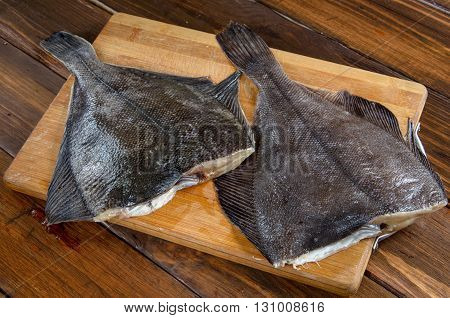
370,289
227,280
210,276
203,226
416,44
103,265
435,135
27,89
415,10
24,23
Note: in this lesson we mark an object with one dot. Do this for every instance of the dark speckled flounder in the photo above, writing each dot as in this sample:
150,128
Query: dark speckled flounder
328,170
133,138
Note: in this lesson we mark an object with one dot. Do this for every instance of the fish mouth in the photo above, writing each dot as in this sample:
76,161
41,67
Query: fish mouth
198,174
380,227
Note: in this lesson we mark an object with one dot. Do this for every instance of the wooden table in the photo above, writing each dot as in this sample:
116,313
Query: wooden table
407,39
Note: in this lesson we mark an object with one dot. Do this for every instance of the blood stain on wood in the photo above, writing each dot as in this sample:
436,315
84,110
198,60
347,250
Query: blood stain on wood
57,230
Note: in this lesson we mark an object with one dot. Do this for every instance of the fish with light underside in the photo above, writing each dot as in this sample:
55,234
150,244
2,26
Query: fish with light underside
329,169
134,137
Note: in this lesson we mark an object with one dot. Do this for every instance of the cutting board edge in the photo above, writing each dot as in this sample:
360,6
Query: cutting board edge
342,289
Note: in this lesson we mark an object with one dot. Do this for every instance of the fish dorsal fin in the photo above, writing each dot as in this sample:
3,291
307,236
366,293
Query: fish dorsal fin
374,112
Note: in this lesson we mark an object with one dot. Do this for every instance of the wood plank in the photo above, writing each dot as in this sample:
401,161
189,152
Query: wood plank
210,276
416,259
371,289
27,89
415,10
442,5
415,43
192,53
435,135
4,294
25,23
227,280
41,265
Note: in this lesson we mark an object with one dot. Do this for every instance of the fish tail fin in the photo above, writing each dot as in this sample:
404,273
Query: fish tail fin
70,49
247,50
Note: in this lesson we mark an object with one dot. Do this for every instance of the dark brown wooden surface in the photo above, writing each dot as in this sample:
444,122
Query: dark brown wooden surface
27,88
408,36
413,262
24,23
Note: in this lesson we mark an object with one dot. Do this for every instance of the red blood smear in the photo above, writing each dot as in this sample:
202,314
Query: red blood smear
57,230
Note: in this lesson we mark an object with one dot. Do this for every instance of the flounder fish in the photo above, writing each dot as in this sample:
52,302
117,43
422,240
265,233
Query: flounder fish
329,169
134,137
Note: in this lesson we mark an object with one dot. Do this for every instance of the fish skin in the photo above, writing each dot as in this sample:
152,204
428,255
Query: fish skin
328,167
134,136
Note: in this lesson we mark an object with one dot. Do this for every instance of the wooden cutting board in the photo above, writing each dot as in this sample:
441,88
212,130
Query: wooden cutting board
194,217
